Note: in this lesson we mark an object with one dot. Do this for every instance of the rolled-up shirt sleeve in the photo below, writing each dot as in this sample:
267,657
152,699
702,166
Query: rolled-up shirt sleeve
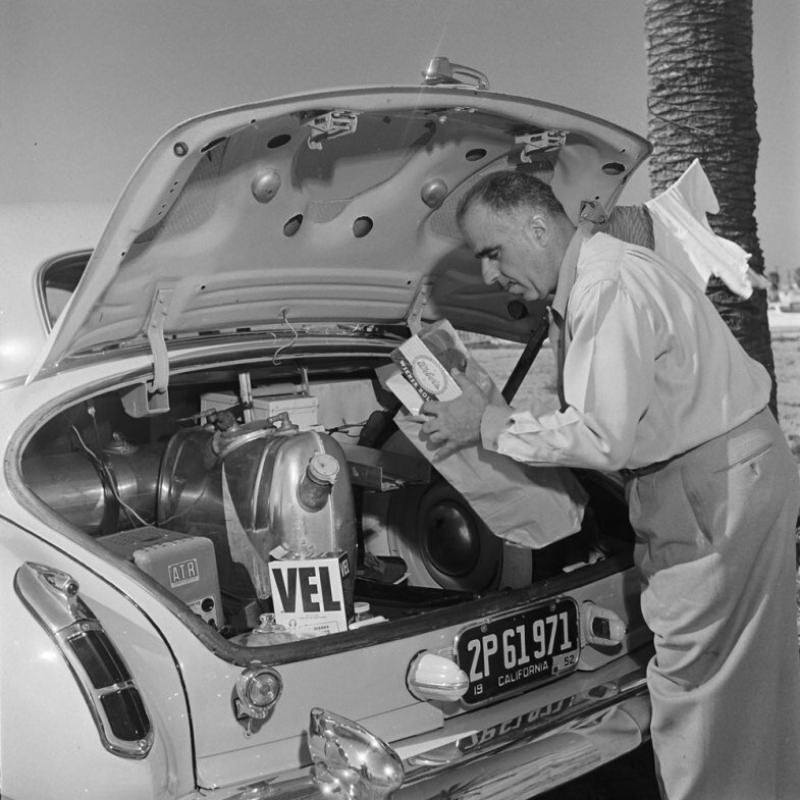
608,381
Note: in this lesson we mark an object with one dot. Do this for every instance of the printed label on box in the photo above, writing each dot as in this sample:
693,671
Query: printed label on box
308,594
183,572
422,367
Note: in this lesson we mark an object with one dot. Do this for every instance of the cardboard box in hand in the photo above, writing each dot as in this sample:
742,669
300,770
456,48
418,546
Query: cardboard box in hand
422,367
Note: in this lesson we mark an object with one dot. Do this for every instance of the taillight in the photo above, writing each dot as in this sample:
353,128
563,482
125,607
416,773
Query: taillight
101,672
101,661
126,713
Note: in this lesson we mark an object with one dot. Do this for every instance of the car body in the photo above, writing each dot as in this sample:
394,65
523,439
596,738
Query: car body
188,384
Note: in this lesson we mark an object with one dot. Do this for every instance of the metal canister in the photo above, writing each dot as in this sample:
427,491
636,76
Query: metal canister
99,495
252,489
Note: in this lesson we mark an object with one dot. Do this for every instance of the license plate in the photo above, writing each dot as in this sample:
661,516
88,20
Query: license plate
508,654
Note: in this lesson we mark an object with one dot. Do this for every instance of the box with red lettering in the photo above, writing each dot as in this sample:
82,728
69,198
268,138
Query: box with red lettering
308,593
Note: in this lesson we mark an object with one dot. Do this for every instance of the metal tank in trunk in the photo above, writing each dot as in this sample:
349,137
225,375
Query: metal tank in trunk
257,492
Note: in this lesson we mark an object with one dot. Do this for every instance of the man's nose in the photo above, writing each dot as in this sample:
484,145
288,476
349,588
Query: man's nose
489,271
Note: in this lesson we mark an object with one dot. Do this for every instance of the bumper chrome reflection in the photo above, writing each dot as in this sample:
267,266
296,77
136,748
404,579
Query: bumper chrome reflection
349,762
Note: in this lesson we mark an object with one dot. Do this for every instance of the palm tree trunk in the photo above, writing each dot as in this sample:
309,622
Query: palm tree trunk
702,105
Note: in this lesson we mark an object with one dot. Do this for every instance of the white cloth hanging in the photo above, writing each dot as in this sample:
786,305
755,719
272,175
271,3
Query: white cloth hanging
684,236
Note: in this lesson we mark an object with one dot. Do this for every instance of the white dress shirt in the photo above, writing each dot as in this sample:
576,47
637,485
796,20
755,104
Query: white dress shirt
650,369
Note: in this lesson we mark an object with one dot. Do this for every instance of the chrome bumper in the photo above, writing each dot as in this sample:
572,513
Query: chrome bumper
515,758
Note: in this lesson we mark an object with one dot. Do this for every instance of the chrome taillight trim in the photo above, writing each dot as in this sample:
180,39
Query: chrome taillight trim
53,598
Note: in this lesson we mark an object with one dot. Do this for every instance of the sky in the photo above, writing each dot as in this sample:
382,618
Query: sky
87,86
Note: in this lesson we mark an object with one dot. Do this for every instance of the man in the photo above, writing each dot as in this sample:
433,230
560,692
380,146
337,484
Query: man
655,385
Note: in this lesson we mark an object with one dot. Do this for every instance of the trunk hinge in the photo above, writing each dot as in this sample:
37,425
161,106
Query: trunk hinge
540,142
151,397
331,126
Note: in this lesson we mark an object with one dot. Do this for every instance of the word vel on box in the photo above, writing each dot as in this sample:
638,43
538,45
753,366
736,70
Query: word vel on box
308,594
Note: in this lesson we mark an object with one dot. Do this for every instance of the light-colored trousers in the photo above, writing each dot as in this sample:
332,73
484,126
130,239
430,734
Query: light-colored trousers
716,548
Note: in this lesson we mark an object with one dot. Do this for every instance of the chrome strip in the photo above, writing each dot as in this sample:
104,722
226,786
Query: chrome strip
530,726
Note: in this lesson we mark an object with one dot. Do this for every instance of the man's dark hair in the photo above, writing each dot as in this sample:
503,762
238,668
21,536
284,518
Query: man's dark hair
506,190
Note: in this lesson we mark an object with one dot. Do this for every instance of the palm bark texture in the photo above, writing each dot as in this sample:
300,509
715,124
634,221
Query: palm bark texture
702,105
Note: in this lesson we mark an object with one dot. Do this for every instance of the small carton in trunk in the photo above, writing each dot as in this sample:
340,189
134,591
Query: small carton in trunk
308,593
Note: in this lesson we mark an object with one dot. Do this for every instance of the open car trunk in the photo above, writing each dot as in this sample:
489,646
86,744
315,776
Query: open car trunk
229,461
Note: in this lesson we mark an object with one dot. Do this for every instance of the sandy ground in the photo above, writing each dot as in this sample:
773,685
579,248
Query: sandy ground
786,352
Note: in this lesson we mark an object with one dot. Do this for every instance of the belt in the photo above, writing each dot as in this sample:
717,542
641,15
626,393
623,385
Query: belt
649,469
630,474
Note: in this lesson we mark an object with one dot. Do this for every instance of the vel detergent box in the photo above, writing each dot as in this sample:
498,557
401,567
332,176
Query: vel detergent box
308,593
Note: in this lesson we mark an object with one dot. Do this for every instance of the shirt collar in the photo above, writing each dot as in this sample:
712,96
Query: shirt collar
567,273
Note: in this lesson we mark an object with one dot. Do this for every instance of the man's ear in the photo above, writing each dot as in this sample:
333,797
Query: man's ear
539,227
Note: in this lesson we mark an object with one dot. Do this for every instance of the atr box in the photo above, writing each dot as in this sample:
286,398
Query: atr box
302,409
308,594
185,565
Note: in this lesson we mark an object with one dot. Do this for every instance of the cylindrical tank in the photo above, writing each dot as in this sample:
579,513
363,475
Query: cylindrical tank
76,487
253,489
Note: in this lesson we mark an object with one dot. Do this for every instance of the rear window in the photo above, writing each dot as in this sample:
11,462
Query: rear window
58,281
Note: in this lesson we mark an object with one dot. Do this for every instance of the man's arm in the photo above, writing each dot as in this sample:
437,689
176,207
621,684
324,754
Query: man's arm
608,384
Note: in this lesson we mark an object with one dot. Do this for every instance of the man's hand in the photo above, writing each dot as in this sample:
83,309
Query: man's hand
455,423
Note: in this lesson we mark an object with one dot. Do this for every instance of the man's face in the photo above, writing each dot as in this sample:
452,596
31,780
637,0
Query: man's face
514,248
